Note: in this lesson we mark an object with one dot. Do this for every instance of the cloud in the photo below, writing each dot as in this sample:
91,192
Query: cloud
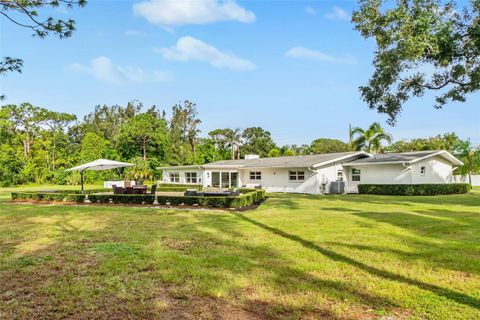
176,13
338,13
189,48
304,53
311,11
103,69
135,33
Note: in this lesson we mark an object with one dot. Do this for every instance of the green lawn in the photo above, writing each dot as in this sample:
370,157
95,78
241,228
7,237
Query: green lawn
295,257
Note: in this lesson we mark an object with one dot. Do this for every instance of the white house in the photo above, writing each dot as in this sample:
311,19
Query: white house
316,174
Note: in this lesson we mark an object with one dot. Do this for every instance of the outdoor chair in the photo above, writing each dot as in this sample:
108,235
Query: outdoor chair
118,190
129,190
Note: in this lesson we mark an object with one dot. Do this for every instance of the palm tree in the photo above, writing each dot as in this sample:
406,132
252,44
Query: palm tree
370,139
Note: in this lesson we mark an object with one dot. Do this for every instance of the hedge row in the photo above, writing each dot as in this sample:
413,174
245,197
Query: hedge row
414,189
248,197
48,196
122,198
245,199
175,187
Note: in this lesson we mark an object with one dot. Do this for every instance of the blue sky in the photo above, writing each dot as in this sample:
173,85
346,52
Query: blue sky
292,68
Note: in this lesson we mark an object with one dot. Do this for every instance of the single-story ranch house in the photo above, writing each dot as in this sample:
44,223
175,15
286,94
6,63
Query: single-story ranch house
319,173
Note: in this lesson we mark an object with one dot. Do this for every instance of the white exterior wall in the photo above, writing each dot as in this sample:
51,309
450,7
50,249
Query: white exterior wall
166,176
437,170
277,180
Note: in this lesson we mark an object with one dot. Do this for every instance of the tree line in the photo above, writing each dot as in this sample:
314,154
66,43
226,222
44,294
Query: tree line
39,144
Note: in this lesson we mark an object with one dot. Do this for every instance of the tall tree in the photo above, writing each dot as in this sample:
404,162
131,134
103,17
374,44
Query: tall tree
228,137
324,145
447,141
422,45
142,135
256,140
183,132
370,139
25,14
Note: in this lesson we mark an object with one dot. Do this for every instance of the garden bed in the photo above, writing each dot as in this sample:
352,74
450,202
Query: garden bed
248,197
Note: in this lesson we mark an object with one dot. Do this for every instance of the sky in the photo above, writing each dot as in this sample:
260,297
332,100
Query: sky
291,67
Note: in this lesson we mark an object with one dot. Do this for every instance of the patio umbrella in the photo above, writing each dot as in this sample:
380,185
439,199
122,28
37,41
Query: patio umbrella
97,165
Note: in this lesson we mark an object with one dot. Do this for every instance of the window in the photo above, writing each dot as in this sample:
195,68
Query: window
422,170
356,174
296,175
255,175
339,175
174,177
191,177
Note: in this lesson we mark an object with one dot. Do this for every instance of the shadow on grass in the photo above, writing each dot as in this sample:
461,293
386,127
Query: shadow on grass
447,293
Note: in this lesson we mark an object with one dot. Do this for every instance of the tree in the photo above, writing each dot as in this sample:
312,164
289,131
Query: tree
447,141
323,145
370,139
228,137
106,121
141,135
414,37
183,133
275,152
470,156
24,13
257,141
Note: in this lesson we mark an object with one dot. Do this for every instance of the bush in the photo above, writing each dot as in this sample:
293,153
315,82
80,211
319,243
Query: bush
245,199
414,189
132,198
48,196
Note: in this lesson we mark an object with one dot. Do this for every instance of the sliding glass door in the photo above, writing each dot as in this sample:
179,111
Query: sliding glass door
225,180
216,179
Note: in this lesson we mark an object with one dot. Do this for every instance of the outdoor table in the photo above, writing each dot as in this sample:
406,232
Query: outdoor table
140,190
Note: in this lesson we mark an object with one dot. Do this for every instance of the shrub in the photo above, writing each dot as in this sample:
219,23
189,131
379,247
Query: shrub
245,199
99,198
48,196
132,198
414,189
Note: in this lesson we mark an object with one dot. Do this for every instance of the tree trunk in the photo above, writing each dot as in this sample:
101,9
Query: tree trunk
144,150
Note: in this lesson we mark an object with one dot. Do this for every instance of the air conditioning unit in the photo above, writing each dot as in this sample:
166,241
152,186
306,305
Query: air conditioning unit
337,187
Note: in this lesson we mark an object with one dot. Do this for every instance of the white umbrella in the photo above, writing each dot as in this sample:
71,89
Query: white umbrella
100,164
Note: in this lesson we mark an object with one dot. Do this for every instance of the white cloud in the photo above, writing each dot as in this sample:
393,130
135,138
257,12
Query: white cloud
103,69
175,13
311,11
338,13
135,33
304,53
189,48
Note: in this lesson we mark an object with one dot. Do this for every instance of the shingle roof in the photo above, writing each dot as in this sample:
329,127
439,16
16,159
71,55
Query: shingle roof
406,157
288,161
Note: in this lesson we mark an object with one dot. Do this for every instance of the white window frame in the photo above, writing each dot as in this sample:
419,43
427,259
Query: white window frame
191,177
174,174
423,170
297,175
356,174
255,175
340,175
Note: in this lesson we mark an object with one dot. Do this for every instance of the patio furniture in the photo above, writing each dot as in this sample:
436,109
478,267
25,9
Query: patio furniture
118,190
193,193
140,190
128,190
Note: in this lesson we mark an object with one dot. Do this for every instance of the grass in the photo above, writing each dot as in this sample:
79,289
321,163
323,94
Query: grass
295,257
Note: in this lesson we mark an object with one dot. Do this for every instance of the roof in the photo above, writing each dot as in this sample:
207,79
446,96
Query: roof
405,157
304,161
